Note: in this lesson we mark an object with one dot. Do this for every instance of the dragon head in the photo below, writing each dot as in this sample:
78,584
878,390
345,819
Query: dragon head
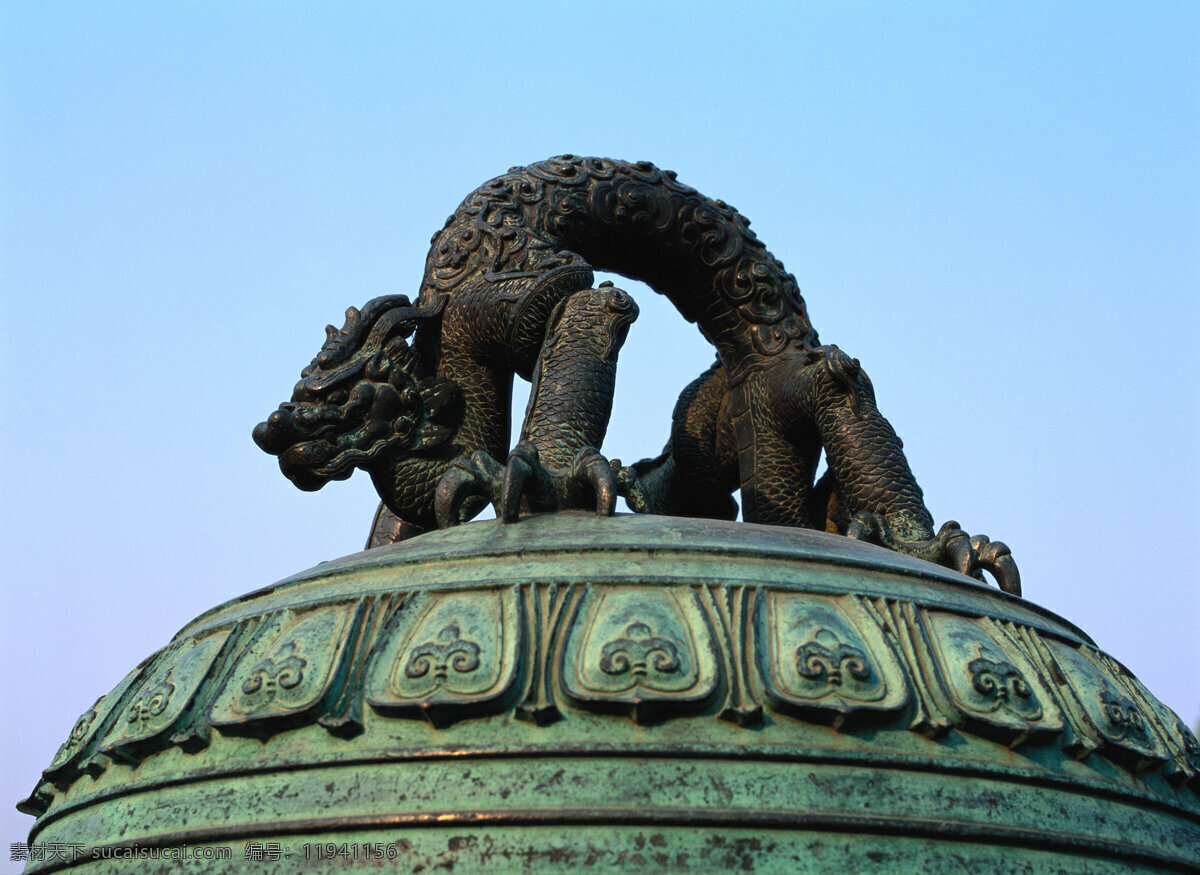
362,399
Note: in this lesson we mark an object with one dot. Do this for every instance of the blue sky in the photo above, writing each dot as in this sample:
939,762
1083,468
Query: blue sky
996,207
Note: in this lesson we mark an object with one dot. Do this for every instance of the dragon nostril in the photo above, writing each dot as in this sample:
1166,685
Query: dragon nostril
277,433
261,436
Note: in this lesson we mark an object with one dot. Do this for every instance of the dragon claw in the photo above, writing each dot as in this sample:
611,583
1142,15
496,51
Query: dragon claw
995,558
629,487
524,482
591,467
956,549
466,487
522,463
950,547
588,479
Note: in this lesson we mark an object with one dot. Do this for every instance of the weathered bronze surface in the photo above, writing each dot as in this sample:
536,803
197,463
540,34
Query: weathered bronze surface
635,691
506,291
599,691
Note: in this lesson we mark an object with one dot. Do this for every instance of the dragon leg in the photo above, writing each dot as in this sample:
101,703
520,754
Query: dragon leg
556,465
777,450
697,470
865,456
575,376
823,394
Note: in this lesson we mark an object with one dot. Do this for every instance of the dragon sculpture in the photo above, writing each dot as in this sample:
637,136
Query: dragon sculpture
418,394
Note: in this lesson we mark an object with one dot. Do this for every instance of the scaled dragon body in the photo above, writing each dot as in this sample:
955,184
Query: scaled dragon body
507,290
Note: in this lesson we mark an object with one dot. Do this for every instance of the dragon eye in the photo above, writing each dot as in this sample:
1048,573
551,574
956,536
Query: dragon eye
341,396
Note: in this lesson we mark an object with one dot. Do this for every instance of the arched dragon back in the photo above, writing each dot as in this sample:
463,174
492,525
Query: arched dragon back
502,294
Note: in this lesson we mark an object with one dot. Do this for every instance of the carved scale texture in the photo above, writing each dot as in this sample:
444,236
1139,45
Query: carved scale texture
761,423
636,220
702,450
407,485
865,455
567,413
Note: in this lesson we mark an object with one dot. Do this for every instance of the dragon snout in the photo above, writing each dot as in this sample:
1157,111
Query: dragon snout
278,433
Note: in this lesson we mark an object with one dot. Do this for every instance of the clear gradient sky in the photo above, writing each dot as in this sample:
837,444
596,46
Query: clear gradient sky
995,206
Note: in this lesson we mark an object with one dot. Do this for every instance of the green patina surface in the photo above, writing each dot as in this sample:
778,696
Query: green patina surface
640,692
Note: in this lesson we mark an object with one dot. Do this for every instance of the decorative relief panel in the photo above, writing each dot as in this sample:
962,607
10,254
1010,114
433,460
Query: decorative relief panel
825,658
1189,750
160,700
703,652
75,755
651,652
288,672
647,652
1176,739
80,733
988,682
445,657
1113,720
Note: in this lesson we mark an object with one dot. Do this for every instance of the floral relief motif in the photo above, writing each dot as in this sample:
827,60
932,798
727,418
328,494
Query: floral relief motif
1191,747
448,656
156,715
1110,721
982,679
1122,714
1002,684
272,675
74,754
649,653
151,703
290,670
824,659
80,730
639,651
449,650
